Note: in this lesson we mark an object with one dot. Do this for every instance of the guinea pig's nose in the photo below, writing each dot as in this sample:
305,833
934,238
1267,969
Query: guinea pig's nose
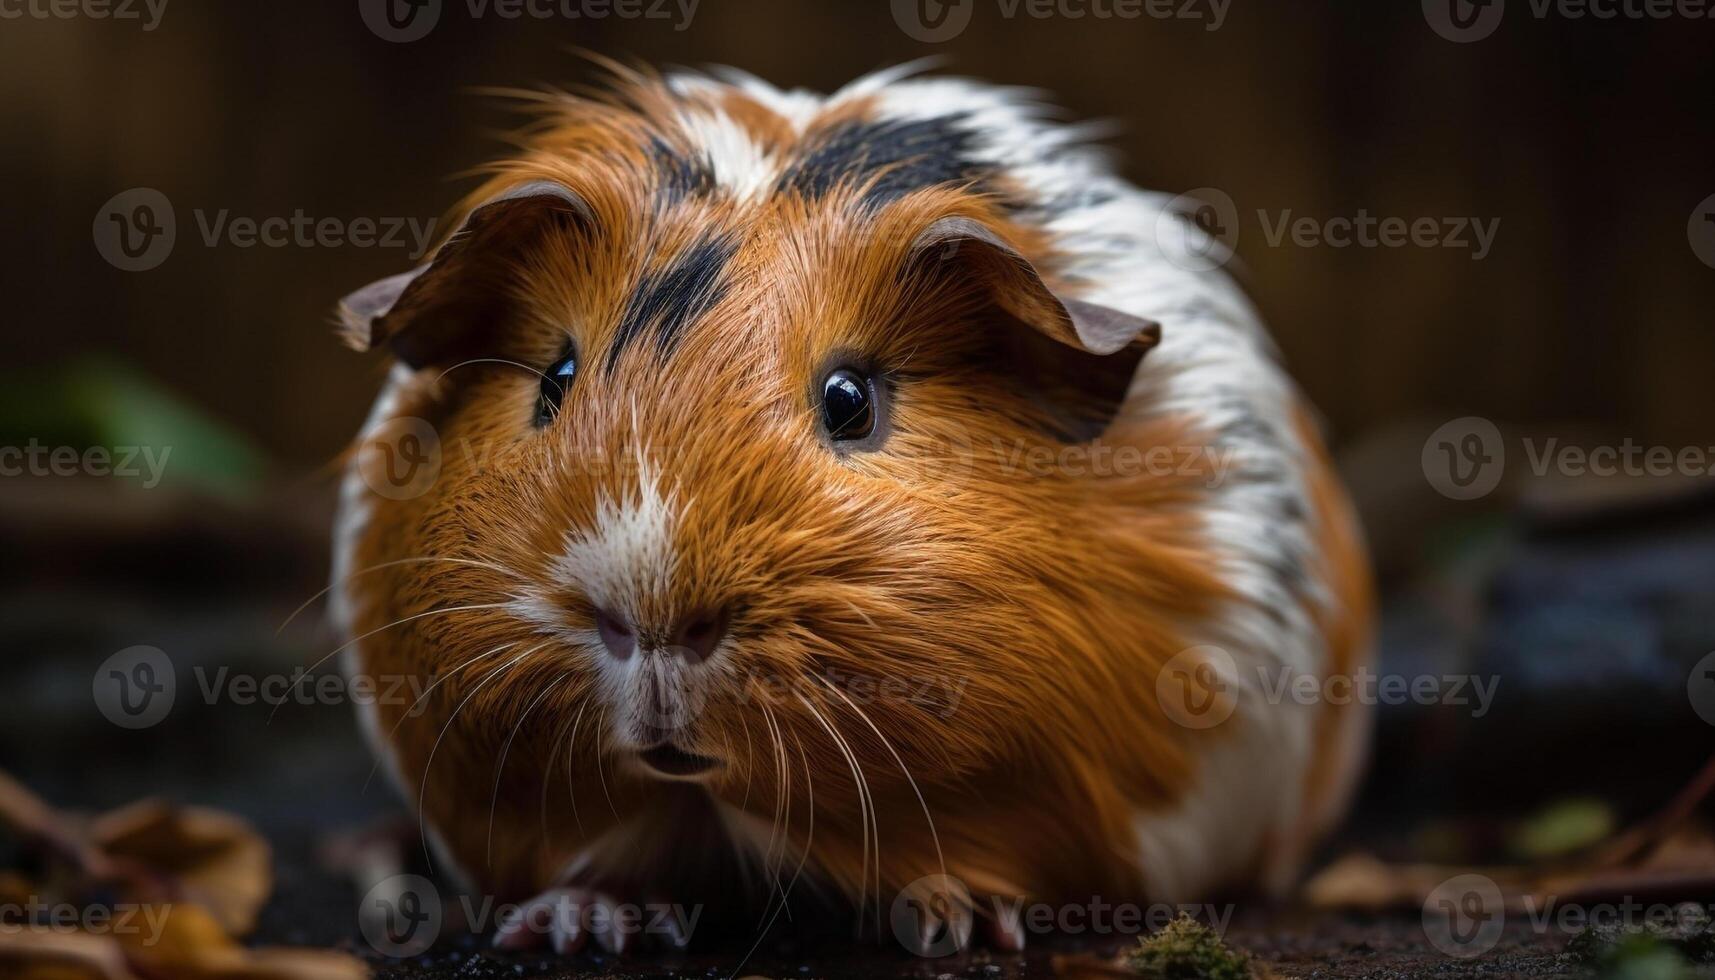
697,635
616,634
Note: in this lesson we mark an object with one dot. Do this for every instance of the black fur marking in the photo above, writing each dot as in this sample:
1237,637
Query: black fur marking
681,176
899,155
670,298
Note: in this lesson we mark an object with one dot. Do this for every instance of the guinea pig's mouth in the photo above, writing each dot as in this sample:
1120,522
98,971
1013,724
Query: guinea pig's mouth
670,760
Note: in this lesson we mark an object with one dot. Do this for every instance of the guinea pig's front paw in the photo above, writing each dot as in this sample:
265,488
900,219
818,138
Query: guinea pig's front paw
567,918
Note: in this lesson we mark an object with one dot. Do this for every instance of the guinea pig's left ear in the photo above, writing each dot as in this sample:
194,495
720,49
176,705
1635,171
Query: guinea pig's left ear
433,312
1019,290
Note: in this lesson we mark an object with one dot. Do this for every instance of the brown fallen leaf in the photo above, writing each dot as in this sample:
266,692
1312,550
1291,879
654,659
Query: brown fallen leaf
1669,857
189,879
212,858
48,954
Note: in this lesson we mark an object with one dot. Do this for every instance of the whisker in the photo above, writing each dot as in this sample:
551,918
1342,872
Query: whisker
391,564
571,788
423,784
749,761
809,841
933,835
863,808
495,360
500,769
426,692
769,869
601,770
398,622
560,741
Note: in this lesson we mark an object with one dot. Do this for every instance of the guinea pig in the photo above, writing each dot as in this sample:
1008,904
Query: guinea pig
869,492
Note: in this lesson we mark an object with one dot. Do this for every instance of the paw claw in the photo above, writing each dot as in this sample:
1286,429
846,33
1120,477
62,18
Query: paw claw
567,918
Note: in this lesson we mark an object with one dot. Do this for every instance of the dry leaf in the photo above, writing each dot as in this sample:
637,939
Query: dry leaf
213,858
47,954
189,878
1668,857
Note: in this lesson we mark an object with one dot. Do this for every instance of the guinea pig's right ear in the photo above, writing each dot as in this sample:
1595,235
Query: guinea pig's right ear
1074,359
441,310
1085,327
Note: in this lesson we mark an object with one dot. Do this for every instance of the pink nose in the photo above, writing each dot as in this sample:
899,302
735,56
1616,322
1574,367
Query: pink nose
694,638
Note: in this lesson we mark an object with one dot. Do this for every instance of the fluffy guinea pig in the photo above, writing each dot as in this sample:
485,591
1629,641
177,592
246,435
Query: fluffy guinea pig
870,493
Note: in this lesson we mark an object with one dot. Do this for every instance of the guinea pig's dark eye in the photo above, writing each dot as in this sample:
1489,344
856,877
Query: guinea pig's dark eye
555,382
848,405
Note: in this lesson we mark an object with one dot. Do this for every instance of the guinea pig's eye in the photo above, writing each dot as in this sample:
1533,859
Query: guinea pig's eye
555,382
848,405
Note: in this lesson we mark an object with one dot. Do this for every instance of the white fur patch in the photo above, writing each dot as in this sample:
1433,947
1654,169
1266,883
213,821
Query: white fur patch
738,163
628,556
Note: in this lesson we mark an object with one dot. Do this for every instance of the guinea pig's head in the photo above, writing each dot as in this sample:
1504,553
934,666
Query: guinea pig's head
759,475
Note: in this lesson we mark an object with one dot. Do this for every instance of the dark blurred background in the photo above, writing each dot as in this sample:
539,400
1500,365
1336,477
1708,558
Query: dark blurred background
1590,141
1588,321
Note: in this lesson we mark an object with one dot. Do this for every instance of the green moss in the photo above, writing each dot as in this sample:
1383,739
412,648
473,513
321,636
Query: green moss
1189,950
